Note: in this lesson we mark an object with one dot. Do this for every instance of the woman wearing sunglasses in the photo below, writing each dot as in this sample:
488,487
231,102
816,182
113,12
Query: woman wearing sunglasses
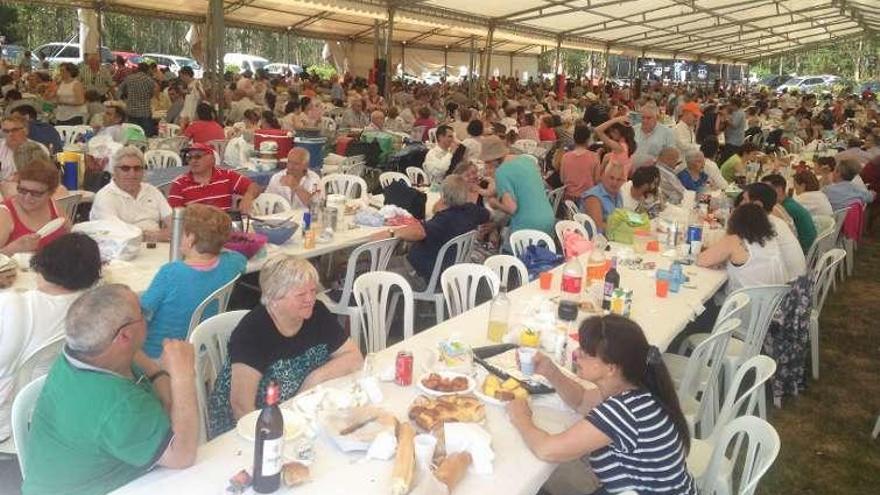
633,431
22,215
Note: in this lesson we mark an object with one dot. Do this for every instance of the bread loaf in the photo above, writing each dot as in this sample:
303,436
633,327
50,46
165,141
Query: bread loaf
452,469
404,460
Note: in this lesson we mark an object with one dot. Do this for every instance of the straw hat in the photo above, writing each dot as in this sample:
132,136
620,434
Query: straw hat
493,148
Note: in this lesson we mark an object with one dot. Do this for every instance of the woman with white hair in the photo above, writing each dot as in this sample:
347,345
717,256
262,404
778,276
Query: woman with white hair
290,338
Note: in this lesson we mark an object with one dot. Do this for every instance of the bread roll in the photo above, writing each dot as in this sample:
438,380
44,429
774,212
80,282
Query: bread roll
452,469
295,473
404,460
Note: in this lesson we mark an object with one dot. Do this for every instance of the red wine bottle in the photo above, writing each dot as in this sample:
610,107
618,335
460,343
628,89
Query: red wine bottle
612,281
269,443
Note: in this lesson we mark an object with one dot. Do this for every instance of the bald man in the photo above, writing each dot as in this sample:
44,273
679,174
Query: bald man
377,121
297,184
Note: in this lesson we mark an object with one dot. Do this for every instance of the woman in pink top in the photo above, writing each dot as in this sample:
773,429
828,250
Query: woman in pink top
580,167
619,138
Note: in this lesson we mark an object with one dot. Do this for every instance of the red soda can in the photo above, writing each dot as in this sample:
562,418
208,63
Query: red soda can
403,369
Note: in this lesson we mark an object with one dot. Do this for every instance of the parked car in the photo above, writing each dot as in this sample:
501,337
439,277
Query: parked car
808,84
245,62
175,63
131,58
58,53
774,82
279,69
869,86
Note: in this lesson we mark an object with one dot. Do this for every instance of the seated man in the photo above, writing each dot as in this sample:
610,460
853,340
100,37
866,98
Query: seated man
377,121
671,188
439,158
114,117
205,183
101,420
41,132
843,191
129,199
803,221
603,198
459,216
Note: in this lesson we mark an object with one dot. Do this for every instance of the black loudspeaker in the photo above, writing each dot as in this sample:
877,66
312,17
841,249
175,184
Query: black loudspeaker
381,67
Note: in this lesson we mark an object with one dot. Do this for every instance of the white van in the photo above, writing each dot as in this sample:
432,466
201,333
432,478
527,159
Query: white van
58,53
245,62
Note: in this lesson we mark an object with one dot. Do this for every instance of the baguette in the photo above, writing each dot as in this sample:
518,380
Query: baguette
404,460
452,469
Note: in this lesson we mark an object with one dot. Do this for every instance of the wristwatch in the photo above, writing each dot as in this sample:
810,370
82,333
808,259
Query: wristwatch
391,233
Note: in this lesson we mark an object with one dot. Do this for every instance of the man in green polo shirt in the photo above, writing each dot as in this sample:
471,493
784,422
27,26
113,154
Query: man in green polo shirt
803,221
102,420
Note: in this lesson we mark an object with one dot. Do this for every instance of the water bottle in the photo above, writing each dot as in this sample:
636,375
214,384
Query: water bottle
176,233
676,277
499,313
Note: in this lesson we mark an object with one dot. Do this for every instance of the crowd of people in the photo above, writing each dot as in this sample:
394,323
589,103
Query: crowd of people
121,398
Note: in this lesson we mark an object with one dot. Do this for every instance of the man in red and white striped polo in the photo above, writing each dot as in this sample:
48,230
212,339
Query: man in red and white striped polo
207,184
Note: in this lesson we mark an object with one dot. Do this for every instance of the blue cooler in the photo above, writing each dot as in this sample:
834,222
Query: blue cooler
315,146
70,176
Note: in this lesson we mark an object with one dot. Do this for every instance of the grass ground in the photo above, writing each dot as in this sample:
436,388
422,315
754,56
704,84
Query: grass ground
826,432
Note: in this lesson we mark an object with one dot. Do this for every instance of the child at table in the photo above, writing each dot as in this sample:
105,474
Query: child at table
633,430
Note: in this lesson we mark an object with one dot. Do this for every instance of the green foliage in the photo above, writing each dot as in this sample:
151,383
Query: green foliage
233,68
322,70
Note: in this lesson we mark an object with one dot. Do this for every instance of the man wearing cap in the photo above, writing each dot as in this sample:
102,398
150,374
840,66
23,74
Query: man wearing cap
685,137
207,184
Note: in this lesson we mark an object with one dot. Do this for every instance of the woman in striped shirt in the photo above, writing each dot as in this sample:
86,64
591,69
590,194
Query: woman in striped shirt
634,432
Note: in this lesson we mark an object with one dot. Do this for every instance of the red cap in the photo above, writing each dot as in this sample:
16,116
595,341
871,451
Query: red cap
198,147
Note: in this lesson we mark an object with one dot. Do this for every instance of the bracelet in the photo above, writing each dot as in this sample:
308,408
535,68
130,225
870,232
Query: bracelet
159,374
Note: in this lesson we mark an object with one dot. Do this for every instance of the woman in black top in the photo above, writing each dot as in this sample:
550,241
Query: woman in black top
290,338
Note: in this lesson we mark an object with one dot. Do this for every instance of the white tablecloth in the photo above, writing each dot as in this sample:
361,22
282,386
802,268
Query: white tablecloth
517,470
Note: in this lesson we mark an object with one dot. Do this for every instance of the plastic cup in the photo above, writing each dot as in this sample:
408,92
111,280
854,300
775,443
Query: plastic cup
546,280
424,446
662,287
526,360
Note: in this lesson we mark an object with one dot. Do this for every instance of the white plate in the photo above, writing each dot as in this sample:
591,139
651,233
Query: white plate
50,227
294,424
450,375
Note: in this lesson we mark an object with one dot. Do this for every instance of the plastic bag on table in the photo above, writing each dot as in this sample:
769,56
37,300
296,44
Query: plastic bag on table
116,240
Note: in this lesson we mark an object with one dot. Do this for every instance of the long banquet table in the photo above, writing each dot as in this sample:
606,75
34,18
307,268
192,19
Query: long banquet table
516,470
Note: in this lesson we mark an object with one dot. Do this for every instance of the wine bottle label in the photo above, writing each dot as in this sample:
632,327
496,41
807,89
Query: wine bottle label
272,456
609,290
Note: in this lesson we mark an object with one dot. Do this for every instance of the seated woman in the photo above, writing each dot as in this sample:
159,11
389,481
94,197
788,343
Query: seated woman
180,286
693,177
22,215
605,197
426,121
31,319
633,429
290,338
205,128
579,169
641,194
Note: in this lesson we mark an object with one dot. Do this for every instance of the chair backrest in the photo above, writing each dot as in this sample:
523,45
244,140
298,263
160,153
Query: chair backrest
210,339
571,208
460,284
502,264
764,302
742,399
563,226
416,176
462,244
386,178
733,306
417,133
170,130
698,386
220,296
22,410
378,254
527,145
521,239
588,222
328,124
70,133
432,135
555,197
269,203
38,363
350,186
164,188
823,275
67,206
156,159
839,217
825,228
763,447
372,293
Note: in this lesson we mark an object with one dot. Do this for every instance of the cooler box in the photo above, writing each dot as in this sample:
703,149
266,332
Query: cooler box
282,137
342,143
315,146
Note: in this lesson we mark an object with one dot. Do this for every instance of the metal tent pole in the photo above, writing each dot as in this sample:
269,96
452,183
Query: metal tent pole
216,47
471,69
388,45
489,41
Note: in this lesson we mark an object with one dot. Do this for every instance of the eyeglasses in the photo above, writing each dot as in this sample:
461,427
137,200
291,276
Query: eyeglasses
30,192
129,168
195,156
10,130
126,324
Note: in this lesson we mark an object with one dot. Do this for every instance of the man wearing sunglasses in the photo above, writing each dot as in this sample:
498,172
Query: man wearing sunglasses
129,199
105,417
14,131
207,184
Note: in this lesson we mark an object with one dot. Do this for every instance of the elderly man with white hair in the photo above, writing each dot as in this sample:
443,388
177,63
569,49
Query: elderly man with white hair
670,186
651,137
297,184
103,419
377,121
129,199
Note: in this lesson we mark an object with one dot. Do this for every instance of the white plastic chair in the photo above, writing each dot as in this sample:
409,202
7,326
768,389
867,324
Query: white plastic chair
588,222
761,451
417,133
371,293
328,124
850,244
158,159
563,226
22,411
67,206
221,296
822,276
386,178
70,133
169,131
461,282
555,198
350,186
269,203
839,217
526,145
210,339
502,264
462,245
378,254
432,135
571,208
416,176
521,239
824,238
